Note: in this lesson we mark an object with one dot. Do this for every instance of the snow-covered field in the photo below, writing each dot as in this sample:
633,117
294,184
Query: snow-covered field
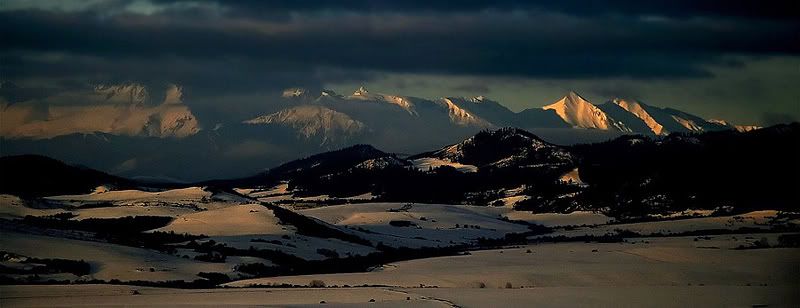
642,271
635,296
191,194
14,207
577,218
232,220
110,261
428,163
677,261
757,219
429,224
281,192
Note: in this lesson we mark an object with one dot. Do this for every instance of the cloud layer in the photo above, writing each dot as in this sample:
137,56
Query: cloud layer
251,47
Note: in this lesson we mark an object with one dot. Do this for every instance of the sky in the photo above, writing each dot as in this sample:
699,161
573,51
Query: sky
739,61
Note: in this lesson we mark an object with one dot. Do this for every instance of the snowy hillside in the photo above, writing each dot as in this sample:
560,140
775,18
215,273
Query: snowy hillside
82,126
663,121
116,109
313,121
500,148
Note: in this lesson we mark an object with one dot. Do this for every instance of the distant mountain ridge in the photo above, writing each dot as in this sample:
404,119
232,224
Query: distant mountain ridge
628,176
33,175
122,109
128,109
625,116
131,131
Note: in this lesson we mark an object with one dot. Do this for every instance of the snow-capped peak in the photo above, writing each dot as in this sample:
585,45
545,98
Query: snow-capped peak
739,128
746,128
294,92
639,110
127,93
461,116
174,95
363,94
403,102
478,99
314,121
362,91
575,96
719,122
579,112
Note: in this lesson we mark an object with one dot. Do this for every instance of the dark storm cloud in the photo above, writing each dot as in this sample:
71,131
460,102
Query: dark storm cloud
538,45
471,87
676,8
259,46
772,118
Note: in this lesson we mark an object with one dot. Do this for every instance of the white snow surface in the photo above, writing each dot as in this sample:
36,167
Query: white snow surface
580,113
181,195
232,220
401,101
637,109
426,163
314,121
462,117
114,109
432,224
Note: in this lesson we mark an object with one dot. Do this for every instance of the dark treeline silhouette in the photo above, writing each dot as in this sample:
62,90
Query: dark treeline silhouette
628,177
311,227
315,165
37,266
633,176
34,175
128,224
287,264
127,230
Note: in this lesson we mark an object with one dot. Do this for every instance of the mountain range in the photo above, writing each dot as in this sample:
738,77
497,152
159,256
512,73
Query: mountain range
628,176
572,111
133,132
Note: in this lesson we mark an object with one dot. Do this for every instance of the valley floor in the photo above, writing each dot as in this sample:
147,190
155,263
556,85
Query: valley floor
650,272
645,296
743,260
679,261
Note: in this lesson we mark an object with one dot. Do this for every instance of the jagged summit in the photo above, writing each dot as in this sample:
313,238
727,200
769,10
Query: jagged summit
461,116
580,113
639,110
313,121
132,109
117,109
125,93
362,94
663,121
478,99
575,96
362,91
174,95
294,92
327,92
